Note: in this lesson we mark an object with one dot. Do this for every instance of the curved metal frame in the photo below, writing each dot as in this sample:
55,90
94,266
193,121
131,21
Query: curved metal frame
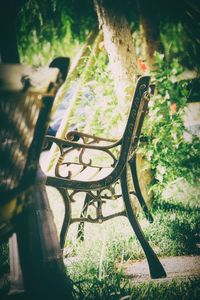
94,189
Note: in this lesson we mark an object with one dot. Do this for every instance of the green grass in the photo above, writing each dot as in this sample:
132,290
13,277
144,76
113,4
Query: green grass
97,265
173,290
118,289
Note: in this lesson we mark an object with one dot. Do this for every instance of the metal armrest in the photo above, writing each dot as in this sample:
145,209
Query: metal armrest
61,143
87,138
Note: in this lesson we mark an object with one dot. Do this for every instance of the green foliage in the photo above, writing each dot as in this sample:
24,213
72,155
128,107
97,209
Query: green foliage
102,115
55,28
105,105
39,46
170,154
178,43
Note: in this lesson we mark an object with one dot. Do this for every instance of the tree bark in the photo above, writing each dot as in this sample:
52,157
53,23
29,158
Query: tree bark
149,30
119,45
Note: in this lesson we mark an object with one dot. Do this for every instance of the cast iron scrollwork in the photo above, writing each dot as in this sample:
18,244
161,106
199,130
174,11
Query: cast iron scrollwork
96,201
81,152
98,192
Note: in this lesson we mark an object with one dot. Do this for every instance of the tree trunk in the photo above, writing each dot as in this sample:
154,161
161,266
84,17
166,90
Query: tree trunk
150,41
119,45
149,30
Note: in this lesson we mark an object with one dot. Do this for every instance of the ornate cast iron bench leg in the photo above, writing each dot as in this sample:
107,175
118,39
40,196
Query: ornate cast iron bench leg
155,267
67,216
80,234
138,194
140,198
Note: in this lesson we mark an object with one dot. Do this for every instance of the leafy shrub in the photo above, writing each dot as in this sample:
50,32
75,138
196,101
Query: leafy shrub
171,156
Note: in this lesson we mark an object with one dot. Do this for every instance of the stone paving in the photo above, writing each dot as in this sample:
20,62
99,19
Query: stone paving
175,267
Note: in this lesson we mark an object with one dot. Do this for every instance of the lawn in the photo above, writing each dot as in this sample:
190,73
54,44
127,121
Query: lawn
97,265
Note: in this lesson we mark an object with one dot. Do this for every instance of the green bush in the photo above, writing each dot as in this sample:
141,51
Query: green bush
171,156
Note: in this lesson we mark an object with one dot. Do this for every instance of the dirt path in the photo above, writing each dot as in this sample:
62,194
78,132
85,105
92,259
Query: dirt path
175,267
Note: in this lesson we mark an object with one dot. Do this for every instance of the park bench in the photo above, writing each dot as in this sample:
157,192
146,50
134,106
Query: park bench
79,170
27,95
26,99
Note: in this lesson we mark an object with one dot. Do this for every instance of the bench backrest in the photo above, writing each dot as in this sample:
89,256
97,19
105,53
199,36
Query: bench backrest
133,127
136,118
128,143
